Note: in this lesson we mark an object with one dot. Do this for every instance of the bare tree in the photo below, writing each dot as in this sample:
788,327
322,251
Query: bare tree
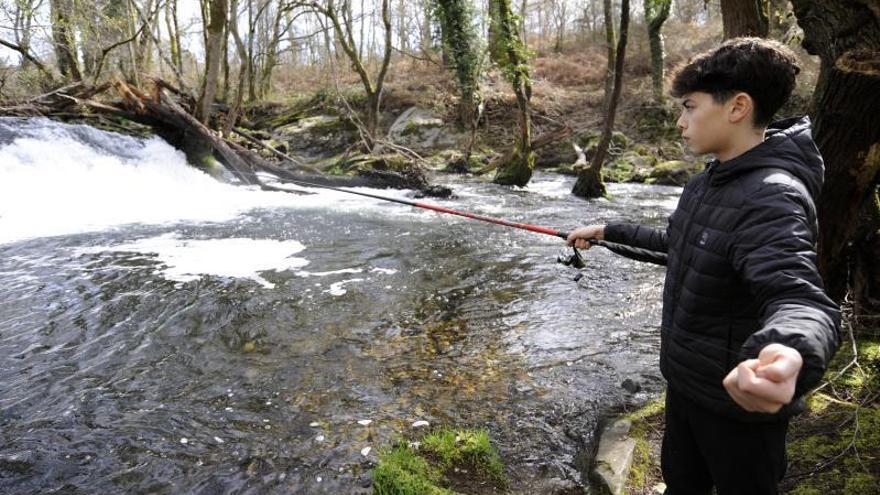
608,14
215,28
589,182
343,27
559,13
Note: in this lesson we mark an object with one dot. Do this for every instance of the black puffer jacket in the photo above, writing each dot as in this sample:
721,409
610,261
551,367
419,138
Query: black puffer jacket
741,270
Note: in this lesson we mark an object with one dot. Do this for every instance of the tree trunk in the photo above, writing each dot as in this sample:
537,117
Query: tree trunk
215,28
846,126
460,40
63,39
173,33
142,42
510,54
609,43
425,31
744,18
656,13
589,182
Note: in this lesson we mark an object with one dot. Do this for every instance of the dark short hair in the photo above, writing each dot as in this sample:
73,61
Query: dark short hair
764,69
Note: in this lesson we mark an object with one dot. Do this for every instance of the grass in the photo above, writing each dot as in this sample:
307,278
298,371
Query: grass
446,461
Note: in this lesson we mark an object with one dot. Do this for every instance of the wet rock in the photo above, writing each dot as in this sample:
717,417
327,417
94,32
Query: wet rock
558,486
18,463
631,385
614,457
434,191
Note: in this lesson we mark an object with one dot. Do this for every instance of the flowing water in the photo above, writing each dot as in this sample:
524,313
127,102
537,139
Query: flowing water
165,332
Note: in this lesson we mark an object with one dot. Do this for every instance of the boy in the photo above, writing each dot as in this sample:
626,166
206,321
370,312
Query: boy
747,327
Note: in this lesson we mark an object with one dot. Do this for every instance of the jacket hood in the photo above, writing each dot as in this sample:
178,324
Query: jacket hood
788,145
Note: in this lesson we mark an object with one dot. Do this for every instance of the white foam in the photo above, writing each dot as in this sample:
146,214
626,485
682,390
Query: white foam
59,179
554,188
336,288
189,259
303,273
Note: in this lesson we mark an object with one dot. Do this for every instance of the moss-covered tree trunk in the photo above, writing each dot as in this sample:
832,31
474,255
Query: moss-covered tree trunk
846,126
589,183
460,41
656,13
64,38
745,18
509,52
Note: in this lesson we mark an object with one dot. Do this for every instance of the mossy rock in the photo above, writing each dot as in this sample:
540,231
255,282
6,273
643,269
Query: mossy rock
631,166
673,172
444,462
657,123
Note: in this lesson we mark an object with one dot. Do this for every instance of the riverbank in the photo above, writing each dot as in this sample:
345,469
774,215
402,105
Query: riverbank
832,446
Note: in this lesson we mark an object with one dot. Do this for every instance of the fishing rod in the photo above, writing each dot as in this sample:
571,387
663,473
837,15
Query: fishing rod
574,260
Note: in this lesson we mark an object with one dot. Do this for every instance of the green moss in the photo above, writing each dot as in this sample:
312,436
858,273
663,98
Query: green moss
402,471
428,469
631,166
644,470
838,436
517,171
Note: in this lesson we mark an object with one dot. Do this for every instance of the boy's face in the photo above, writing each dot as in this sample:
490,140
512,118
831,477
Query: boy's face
704,123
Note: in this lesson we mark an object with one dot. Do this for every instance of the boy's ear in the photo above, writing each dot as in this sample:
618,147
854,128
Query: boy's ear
740,107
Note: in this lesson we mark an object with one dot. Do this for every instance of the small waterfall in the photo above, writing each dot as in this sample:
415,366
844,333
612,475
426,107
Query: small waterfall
59,179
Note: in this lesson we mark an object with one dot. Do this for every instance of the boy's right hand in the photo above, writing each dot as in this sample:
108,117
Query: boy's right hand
580,237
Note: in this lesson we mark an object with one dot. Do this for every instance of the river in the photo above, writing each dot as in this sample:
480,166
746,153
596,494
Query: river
165,332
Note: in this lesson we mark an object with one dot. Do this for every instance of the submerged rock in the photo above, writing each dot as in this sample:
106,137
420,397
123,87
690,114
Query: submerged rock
435,191
17,463
631,385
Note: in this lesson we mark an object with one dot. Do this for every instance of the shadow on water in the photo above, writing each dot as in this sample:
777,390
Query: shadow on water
118,374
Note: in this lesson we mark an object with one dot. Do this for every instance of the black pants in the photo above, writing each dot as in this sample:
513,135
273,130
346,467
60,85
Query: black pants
702,449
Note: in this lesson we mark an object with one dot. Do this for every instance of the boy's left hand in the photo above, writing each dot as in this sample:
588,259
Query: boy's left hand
767,383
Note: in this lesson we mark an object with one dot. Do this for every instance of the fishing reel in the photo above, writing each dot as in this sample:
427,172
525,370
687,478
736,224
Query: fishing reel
574,260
